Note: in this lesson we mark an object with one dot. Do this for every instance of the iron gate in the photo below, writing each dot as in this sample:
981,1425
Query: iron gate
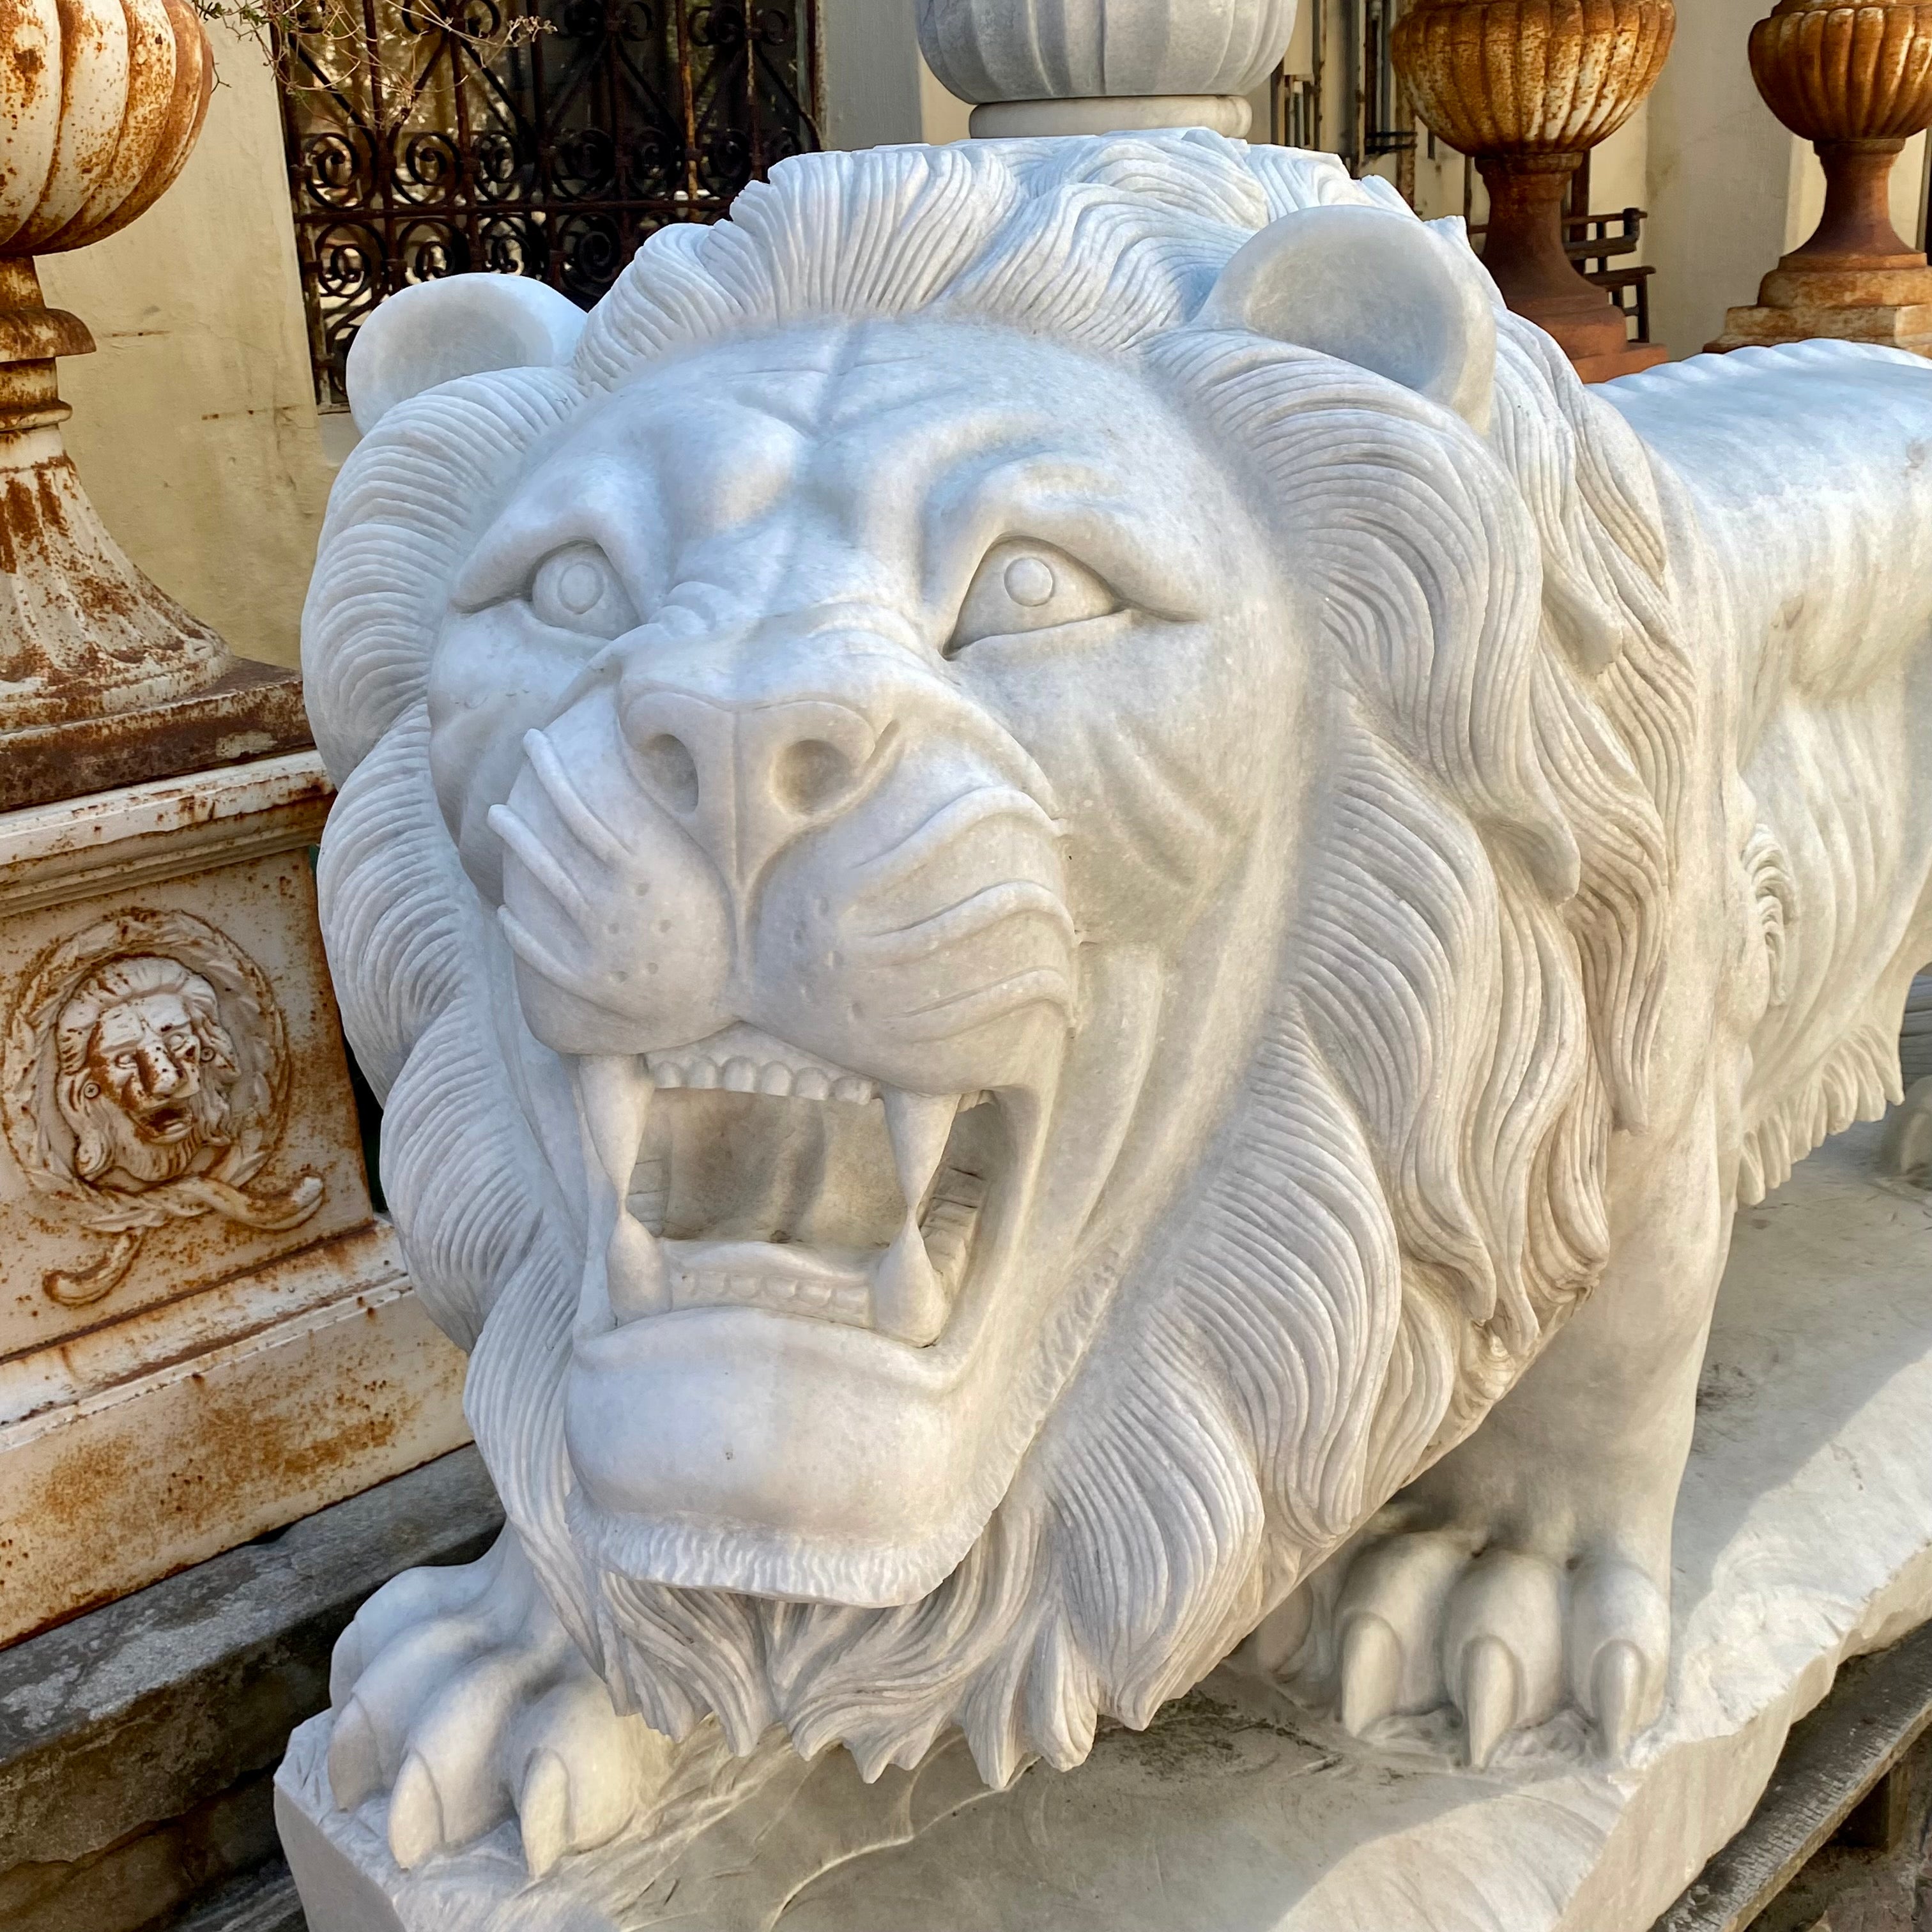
426,137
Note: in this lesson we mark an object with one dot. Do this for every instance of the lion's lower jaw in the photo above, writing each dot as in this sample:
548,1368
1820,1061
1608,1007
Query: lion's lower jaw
778,1564
794,1453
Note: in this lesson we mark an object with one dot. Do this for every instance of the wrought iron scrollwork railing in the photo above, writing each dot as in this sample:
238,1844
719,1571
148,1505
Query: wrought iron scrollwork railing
426,137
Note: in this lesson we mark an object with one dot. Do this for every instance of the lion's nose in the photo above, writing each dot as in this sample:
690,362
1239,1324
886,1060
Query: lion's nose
746,780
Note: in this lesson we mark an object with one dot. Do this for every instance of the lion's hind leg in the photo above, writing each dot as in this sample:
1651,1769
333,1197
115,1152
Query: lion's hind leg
459,1692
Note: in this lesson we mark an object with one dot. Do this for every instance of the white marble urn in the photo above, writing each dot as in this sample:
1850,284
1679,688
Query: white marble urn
1083,66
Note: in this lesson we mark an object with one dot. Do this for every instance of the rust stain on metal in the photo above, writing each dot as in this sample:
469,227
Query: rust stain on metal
1528,88
250,1445
1854,77
255,711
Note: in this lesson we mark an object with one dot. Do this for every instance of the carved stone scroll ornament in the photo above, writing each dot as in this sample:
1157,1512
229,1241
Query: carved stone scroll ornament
146,1080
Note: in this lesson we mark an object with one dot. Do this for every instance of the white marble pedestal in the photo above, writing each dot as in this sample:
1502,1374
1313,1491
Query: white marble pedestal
1804,1538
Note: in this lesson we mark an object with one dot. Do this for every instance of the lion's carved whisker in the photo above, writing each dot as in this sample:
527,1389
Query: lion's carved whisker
537,859
979,912
1039,985
952,822
541,960
568,801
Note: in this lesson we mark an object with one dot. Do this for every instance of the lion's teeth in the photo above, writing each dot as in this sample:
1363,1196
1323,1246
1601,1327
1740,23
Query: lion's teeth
615,1092
918,1124
635,1270
908,1298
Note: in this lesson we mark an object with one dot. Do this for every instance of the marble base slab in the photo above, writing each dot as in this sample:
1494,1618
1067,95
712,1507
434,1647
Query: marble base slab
1804,1538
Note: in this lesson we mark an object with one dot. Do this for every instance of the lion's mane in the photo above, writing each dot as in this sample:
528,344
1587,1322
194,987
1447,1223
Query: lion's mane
1407,1195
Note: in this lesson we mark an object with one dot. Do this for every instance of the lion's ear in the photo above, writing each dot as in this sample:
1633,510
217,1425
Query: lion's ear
1406,298
432,332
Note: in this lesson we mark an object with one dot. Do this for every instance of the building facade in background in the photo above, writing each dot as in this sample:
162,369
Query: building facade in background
209,428
434,141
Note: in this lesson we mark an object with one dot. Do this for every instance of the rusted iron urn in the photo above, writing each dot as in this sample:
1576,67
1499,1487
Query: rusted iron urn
101,101
103,679
1854,77
1528,88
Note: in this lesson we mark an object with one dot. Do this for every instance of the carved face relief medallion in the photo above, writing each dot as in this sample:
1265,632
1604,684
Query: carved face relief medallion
146,1080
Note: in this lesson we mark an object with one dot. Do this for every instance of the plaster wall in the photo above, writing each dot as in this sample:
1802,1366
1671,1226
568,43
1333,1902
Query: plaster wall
878,92
869,56
195,426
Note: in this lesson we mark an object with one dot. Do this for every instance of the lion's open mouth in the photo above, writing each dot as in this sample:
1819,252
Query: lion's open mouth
169,1121
752,1174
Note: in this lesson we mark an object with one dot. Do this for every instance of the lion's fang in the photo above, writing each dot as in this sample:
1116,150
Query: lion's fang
908,1298
634,1276
614,1091
918,1124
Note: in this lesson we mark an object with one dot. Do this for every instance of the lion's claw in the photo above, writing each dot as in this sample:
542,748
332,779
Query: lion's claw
1501,1637
1490,1697
461,1692
1371,1672
543,1812
354,1764
1906,1153
1617,1696
415,1814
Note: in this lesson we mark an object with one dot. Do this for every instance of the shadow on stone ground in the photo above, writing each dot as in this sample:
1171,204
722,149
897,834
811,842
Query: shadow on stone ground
1868,1886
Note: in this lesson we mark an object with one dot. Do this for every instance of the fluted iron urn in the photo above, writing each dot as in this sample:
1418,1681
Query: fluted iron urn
1853,77
103,677
1528,88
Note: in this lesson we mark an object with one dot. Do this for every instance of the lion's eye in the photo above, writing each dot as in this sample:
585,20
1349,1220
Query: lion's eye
1024,586
576,589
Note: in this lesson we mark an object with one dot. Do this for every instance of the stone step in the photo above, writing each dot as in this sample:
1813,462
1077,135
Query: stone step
137,1741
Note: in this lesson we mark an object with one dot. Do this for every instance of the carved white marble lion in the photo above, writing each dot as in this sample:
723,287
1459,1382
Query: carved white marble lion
1044,858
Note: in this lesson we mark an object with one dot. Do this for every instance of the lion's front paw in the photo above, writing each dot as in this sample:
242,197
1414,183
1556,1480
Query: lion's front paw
1432,1618
459,1692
